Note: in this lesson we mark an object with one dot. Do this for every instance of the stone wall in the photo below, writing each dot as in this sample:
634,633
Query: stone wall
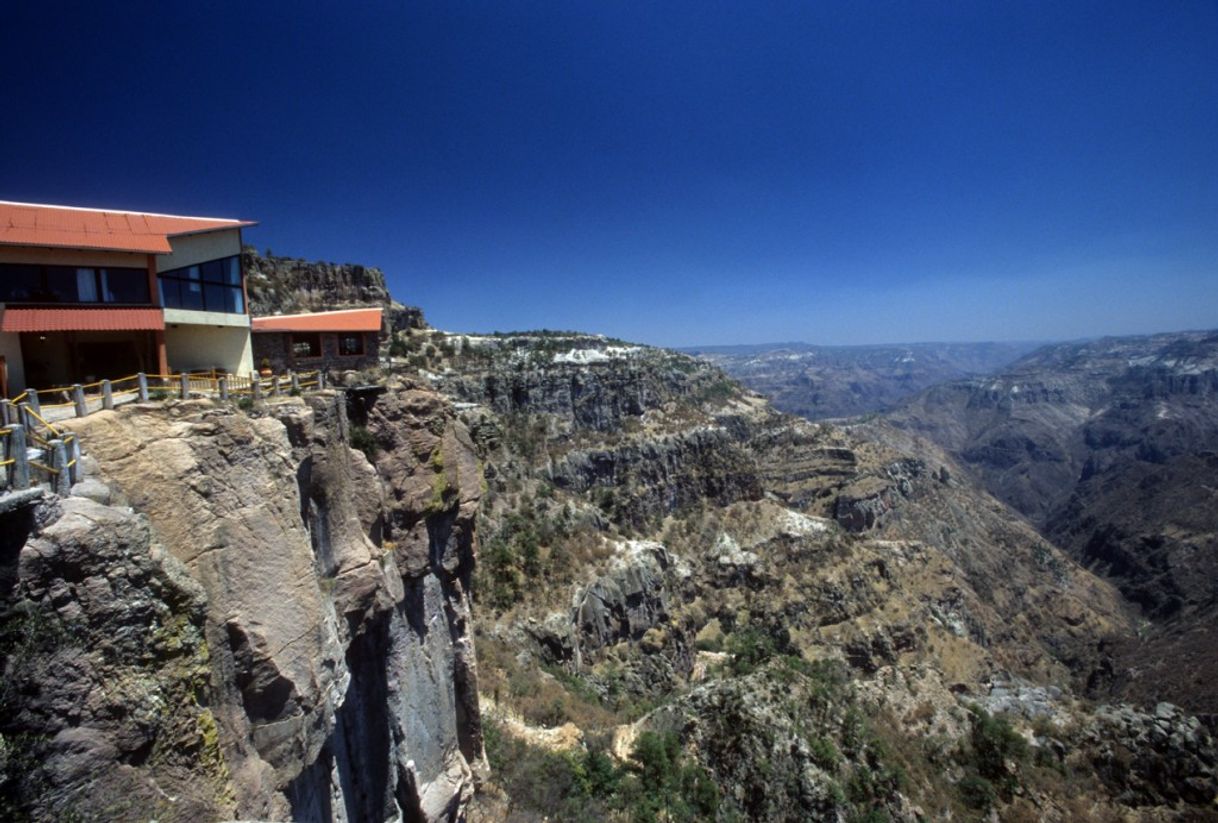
275,349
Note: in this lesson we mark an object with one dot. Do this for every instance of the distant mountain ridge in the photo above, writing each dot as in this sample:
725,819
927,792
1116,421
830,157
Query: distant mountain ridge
1110,447
820,382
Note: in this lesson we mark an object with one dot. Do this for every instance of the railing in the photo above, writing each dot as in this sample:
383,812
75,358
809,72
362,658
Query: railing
35,448
83,399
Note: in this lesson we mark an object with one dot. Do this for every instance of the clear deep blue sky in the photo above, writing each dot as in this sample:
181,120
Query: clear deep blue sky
677,173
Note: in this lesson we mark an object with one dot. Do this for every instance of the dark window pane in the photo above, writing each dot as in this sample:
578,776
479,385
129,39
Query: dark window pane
19,282
215,297
61,285
213,271
189,273
124,285
306,345
350,345
192,295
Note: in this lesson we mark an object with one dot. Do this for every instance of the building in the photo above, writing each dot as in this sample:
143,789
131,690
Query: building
330,340
88,294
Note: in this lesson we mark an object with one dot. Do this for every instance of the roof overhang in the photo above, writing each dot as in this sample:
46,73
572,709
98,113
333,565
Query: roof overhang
350,320
21,319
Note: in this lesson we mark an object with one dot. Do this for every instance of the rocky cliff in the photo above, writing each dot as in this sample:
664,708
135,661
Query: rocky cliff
687,606
286,285
240,616
692,606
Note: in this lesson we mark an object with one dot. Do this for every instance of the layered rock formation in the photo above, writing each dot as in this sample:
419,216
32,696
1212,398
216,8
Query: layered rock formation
808,605
290,622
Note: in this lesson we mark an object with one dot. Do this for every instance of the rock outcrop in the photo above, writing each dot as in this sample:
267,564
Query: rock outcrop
293,623
287,285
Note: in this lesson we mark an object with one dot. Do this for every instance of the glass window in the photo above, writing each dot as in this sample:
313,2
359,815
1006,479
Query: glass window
124,285
350,345
86,285
192,296
211,286
60,285
234,300
213,296
306,345
212,271
19,282
232,271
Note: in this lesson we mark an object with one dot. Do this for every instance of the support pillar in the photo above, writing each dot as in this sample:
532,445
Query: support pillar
162,359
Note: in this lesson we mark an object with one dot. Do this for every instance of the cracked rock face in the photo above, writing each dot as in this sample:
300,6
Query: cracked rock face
104,663
319,609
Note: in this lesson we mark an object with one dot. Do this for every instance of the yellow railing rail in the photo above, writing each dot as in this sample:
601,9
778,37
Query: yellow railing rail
40,419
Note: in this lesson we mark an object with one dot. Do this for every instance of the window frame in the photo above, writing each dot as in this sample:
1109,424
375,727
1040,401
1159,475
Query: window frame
357,335
292,340
47,272
219,285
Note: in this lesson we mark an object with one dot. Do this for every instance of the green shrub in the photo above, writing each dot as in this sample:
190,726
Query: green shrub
824,753
994,743
364,441
749,648
977,792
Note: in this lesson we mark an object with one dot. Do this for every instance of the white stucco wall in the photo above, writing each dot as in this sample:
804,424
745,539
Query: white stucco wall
191,348
207,318
10,349
199,248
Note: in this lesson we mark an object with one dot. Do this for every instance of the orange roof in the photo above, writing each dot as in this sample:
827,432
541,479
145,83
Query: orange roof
344,320
99,319
32,224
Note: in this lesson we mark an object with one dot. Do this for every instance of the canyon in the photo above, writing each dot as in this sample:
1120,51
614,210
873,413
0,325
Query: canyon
550,575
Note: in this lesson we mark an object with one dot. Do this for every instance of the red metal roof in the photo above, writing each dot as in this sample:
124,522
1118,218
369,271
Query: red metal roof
32,224
344,320
99,319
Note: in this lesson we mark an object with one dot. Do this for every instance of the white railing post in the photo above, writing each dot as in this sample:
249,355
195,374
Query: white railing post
256,387
32,399
78,397
141,380
292,376
321,379
275,385
185,378
107,395
7,410
222,383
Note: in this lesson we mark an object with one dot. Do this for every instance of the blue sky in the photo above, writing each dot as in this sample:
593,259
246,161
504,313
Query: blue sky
677,173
